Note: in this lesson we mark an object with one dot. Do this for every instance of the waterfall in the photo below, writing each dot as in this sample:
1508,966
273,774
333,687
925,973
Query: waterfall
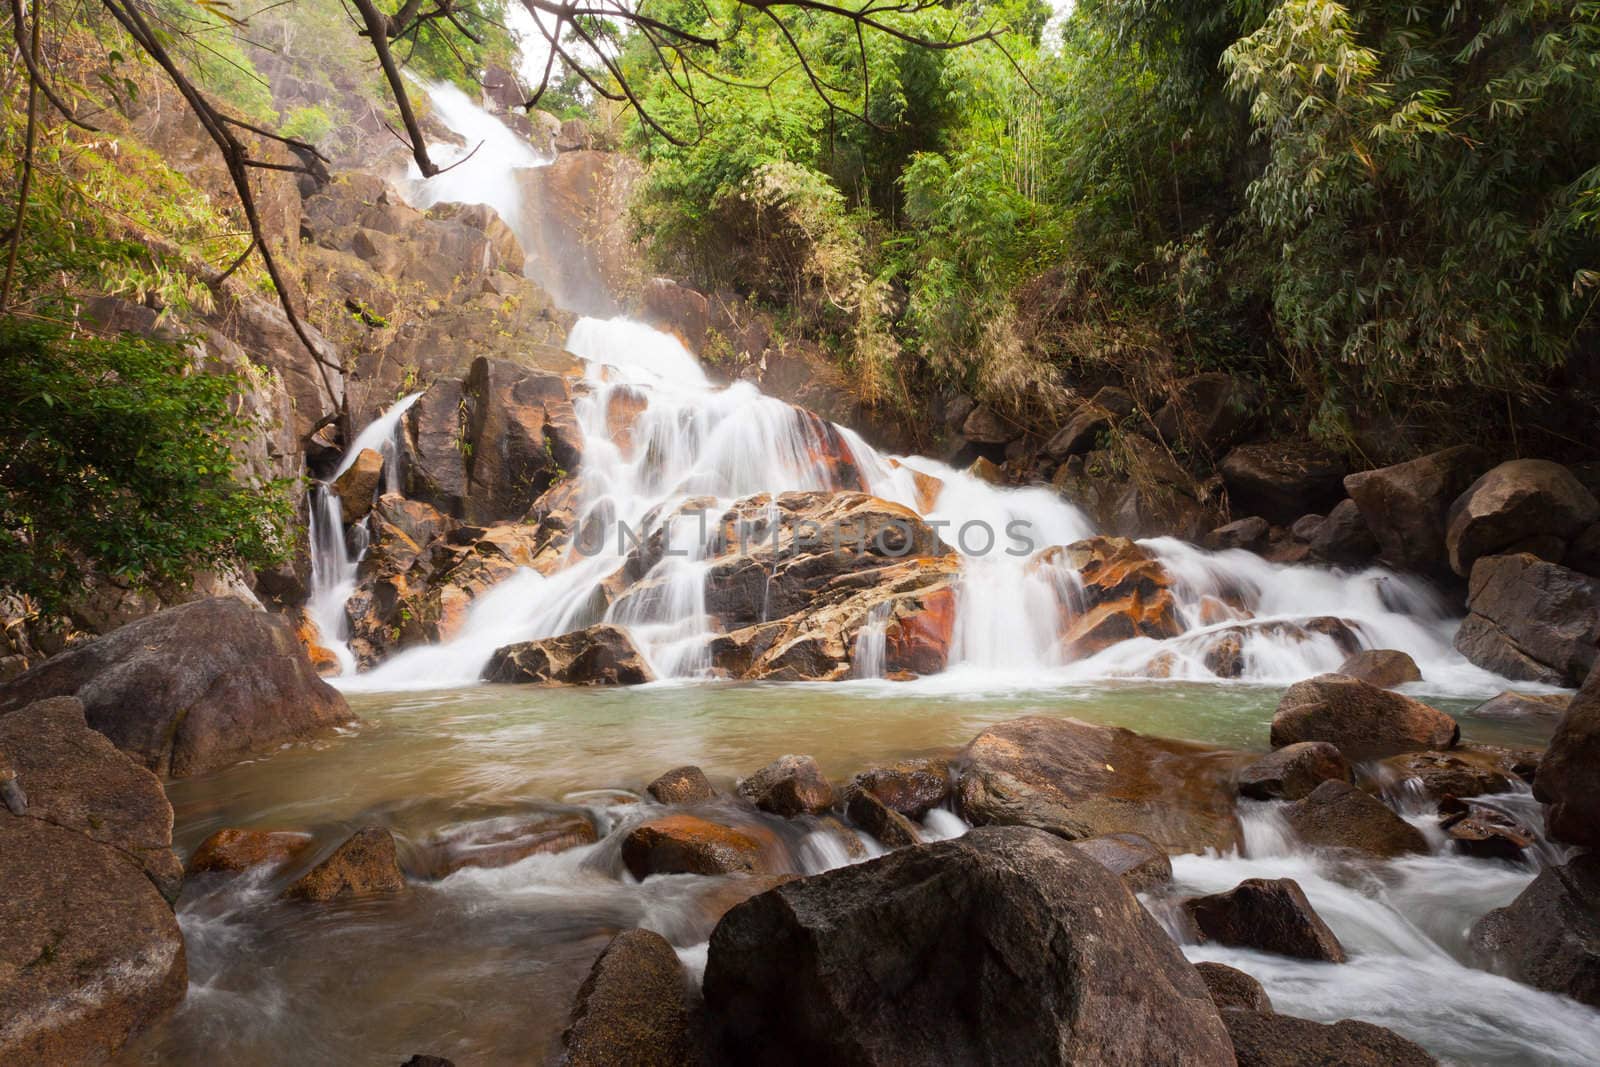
866,659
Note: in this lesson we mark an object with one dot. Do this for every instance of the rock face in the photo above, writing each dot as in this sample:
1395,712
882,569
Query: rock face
1382,667
1265,1040
1362,720
1077,780
364,865
1404,505
1282,480
90,953
1531,620
1568,780
1003,946
789,786
633,1008
1549,937
685,844
1272,915
1517,502
681,785
192,688
601,655
1338,815
1294,771
1232,989
232,851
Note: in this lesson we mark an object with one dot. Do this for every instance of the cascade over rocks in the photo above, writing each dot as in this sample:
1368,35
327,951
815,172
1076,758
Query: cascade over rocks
1524,501
1293,771
1272,915
633,1008
600,655
1404,505
1361,719
1531,620
1003,946
192,688
1461,772
1568,779
502,841
1124,594
1338,815
1549,937
1077,780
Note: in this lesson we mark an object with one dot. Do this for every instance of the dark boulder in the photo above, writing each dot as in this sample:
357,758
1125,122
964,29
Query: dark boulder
1272,915
1294,771
1232,989
1362,720
633,1008
1568,780
365,865
1249,534
1344,537
1138,861
681,785
1208,412
1531,620
789,786
1004,946
1516,501
1282,480
1405,505
1487,834
892,829
985,426
1382,667
192,688
1080,433
1263,1040
603,654
1338,815
1549,937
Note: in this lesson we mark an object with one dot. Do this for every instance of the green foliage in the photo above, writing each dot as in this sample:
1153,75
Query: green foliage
117,459
310,123
440,52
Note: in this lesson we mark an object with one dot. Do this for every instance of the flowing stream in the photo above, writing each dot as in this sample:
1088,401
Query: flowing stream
481,965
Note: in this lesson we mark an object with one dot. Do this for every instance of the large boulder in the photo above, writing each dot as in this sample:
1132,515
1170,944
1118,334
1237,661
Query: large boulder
1338,815
90,953
1568,779
1524,500
192,688
1003,946
1382,667
1549,937
1079,780
601,655
1362,720
1262,1039
1404,505
1272,915
1282,480
1344,537
1293,771
633,1008
357,487
1531,620
1123,592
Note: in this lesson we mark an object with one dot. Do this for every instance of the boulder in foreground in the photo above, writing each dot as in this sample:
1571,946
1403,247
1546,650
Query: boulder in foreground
601,655
192,688
1549,937
632,1009
1365,722
1004,946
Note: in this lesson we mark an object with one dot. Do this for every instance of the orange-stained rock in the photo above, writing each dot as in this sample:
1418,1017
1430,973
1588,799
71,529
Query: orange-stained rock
1112,622
919,640
1213,610
687,844
323,661
624,405
240,850
365,865
927,486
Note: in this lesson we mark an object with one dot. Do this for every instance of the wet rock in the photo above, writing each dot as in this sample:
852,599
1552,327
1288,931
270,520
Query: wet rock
1266,1040
912,787
1077,780
232,851
892,829
1124,594
1272,915
789,786
1487,834
1404,505
192,688
1531,620
682,785
1516,501
1344,537
1338,815
1382,667
357,487
365,865
1225,657
686,844
1208,411
633,1008
90,953
601,655
1294,771
1249,534
1549,937
1458,773
76,779
1003,946
1362,720
500,842
1522,707
1231,988
1568,780
1282,480
1138,861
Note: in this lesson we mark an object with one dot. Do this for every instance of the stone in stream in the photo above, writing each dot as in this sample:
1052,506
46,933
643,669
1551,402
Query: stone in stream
892,829
1293,771
687,844
1404,505
1124,591
913,787
1568,780
1522,707
603,654
789,786
681,785
365,865
1006,945
1487,834
1531,620
1549,937
1232,989
1517,501
1262,1039
1079,780
1338,815
192,688
1461,772
1365,722
633,1008
1138,861
500,842
232,851
1272,915
1382,667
